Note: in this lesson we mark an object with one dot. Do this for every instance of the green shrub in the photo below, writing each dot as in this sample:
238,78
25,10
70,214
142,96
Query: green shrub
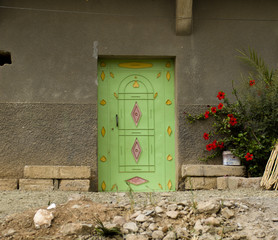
249,125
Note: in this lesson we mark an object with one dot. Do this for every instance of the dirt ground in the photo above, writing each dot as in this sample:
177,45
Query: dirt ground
17,209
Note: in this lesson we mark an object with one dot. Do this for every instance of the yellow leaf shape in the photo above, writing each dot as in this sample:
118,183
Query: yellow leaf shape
103,131
169,131
160,186
168,102
169,157
112,75
136,84
168,76
115,95
168,65
102,76
103,186
169,184
103,159
155,95
102,102
102,64
158,75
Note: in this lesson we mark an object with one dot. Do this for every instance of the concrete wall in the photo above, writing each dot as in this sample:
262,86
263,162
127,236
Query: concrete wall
48,94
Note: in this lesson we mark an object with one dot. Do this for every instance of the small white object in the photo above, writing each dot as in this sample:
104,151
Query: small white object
43,218
229,159
51,206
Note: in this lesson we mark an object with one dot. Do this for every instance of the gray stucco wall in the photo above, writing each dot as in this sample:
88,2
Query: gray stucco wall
51,87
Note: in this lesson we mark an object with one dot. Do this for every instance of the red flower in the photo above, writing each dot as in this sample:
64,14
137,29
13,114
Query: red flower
233,121
221,95
214,144
220,145
213,109
206,136
230,115
209,147
252,82
249,156
220,106
206,114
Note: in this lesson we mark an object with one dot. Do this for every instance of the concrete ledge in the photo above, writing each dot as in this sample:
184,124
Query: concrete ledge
198,183
57,172
36,184
211,170
75,185
232,183
8,184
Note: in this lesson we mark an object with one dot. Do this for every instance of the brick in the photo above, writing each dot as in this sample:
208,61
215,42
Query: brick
36,184
57,172
212,170
75,185
198,183
8,184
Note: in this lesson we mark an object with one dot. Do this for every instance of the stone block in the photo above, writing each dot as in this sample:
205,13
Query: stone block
57,172
222,183
197,183
233,183
8,184
75,185
211,170
36,184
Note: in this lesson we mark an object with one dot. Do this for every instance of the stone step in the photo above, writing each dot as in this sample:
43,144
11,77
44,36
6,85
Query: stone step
232,183
74,185
8,184
36,184
212,170
57,172
199,183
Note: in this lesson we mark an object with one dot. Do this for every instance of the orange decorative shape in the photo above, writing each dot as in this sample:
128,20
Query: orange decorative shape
168,75
103,131
102,64
135,65
113,187
103,159
168,102
160,186
169,157
168,65
136,84
169,131
102,76
158,75
169,184
102,102
112,75
115,95
155,95
103,186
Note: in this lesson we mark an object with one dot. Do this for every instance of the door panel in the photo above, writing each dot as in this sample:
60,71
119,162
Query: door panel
136,111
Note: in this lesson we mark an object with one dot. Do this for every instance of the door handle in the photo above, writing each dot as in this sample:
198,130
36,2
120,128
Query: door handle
117,120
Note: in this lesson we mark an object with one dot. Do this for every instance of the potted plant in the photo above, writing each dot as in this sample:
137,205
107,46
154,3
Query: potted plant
248,127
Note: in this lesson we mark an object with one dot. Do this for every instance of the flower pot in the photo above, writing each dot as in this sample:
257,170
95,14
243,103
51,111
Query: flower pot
229,159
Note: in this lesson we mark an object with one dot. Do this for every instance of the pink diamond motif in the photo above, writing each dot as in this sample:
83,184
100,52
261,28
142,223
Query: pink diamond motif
136,114
136,150
137,180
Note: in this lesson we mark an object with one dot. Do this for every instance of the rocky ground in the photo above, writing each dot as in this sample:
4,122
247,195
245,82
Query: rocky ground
199,215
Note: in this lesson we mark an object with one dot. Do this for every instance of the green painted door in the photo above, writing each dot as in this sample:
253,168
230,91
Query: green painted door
136,125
